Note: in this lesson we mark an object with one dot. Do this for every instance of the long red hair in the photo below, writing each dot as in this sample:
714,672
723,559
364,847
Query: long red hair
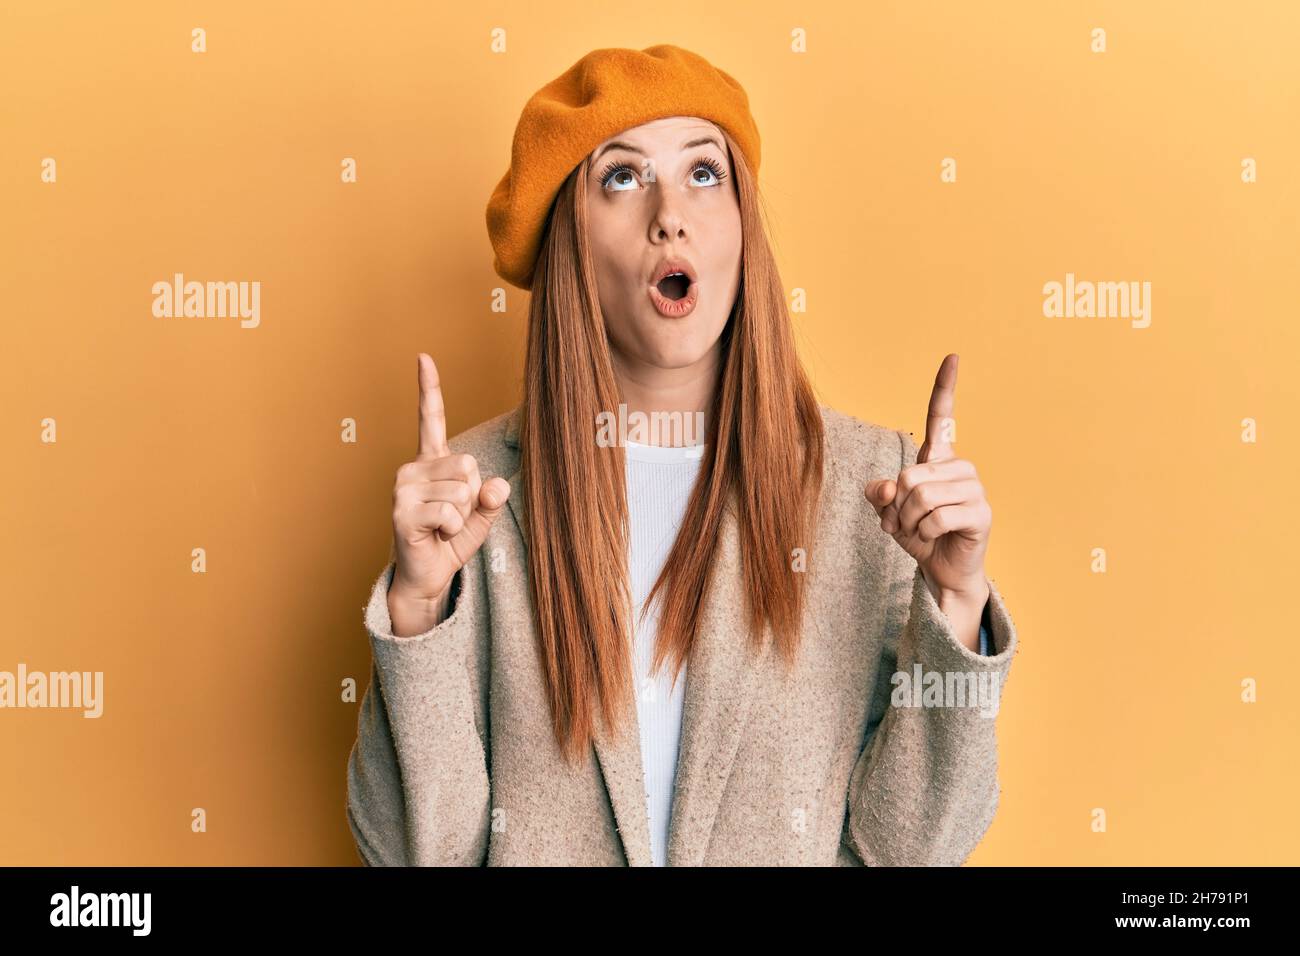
763,456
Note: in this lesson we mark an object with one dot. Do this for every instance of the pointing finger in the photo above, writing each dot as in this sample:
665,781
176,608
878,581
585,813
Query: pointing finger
938,418
433,421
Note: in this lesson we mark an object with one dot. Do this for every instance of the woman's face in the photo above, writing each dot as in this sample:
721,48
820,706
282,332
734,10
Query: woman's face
661,197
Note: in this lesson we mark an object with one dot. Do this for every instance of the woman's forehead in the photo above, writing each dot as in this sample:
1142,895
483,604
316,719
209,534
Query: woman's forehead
648,132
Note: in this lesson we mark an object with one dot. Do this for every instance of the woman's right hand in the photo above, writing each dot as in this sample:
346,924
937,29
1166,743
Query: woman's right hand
442,512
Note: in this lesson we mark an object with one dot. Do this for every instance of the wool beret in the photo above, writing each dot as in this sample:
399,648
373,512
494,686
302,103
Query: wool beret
606,92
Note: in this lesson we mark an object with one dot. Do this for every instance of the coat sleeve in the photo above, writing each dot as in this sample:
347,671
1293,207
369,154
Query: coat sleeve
925,787
418,786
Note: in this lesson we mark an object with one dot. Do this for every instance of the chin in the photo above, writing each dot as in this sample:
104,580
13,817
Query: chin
675,358
670,348
678,343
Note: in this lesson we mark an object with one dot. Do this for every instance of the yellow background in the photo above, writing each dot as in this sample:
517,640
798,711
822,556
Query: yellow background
222,690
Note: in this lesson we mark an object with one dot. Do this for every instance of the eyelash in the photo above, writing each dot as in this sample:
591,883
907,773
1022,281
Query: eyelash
708,161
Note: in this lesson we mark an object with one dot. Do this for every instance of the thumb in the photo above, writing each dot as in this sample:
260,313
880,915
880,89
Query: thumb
492,498
881,491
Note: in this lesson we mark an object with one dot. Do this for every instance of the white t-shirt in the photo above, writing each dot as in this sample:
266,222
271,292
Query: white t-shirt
659,483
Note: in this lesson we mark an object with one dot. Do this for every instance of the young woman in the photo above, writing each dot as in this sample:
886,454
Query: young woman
745,648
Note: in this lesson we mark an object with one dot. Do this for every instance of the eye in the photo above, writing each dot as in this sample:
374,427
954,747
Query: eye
623,178
621,173
711,166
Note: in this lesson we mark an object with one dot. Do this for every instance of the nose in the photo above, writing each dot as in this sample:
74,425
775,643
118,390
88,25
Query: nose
668,224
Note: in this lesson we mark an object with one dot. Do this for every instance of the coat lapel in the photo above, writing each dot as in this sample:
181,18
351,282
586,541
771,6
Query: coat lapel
516,499
720,681
721,677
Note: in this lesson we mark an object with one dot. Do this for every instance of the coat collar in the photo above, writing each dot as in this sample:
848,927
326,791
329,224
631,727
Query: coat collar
720,685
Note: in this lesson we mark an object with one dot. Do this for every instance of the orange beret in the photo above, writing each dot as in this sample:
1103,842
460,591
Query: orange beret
606,92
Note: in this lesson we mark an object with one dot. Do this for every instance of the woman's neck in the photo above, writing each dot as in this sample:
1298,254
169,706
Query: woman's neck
672,402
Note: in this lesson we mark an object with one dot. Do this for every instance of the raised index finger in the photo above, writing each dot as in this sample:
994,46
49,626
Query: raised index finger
938,417
433,420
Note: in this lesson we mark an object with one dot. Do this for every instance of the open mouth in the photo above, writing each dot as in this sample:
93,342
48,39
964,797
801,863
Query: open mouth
674,286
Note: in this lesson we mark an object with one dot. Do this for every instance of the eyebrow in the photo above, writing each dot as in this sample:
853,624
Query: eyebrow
618,144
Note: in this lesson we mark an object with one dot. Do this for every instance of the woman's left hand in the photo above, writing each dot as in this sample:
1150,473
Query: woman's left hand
936,509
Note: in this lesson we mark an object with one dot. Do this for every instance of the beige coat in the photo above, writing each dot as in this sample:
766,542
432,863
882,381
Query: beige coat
455,762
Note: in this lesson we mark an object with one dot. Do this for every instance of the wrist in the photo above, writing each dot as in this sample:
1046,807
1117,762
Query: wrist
412,614
416,593
964,608
965,599
975,595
